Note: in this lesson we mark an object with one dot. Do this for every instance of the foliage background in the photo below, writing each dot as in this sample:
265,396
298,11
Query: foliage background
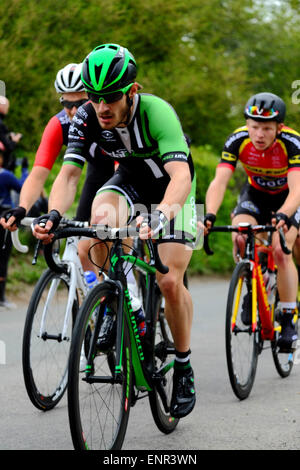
206,57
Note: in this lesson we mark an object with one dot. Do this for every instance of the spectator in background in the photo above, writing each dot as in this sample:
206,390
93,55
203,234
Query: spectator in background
8,139
8,182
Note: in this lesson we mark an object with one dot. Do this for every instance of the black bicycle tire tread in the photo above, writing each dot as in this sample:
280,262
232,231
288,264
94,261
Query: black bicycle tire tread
241,392
73,407
41,404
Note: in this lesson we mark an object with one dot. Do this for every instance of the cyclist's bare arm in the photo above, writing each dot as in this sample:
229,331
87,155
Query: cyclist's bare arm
61,197
216,190
178,188
292,202
30,192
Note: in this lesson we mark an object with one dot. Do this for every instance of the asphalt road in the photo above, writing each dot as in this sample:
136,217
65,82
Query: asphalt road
268,419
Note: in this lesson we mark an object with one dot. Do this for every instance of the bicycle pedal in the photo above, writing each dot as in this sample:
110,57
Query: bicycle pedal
161,350
286,350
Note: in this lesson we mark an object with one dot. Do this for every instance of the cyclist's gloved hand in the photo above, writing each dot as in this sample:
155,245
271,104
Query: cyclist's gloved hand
156,220
279,216
209,217
53,216
17,212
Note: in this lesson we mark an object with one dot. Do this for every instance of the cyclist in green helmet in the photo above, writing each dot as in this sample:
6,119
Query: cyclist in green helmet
154,183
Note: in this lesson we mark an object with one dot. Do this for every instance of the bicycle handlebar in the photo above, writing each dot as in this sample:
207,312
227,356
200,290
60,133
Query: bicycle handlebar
246,229
70,228
103,232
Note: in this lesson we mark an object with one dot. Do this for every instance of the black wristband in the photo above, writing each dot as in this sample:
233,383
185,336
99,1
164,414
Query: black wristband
53,215
281,216
17,212
210,217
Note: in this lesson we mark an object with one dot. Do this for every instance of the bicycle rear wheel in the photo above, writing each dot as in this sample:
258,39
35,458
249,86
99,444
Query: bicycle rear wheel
160,396
45,352
242,345
283,361
98,404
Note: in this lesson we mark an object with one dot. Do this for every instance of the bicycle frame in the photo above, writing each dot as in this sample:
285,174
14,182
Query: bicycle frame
72,264
77,281
259,293
142,376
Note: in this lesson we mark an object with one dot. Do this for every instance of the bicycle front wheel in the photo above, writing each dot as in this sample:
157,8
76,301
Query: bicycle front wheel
242,345
99,390
45,347
160,396
283,361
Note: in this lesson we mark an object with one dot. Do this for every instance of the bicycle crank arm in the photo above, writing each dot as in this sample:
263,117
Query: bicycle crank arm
90,379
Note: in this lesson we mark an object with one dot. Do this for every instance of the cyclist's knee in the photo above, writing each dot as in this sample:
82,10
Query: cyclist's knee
170,285
109,208
239,243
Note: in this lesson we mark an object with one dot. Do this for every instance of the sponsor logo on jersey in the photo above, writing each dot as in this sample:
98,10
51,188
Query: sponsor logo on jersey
108,135
235,137
228,157
271,184
292,139
249,206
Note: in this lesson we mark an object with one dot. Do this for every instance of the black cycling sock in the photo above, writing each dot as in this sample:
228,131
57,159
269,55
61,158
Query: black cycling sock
2,291
182,360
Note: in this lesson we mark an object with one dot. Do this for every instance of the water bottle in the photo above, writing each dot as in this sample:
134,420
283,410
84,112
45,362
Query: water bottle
270,283
140,321
137,309
91,279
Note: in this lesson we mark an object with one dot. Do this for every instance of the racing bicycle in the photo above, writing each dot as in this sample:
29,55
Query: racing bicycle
102,391
252,316
50,318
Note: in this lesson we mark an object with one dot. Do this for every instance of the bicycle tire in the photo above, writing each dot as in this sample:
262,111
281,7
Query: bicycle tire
242,345
160,396
45,359
283,361
98,412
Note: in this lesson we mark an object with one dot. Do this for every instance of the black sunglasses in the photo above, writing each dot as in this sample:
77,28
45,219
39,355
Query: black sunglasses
109,98
70,104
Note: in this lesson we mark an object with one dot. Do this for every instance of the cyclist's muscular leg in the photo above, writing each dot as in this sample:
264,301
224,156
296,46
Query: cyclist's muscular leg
179,307
238,240
287,284
179,313
287,277
109,208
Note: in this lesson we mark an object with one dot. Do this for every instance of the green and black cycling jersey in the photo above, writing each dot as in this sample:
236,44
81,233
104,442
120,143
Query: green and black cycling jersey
153,138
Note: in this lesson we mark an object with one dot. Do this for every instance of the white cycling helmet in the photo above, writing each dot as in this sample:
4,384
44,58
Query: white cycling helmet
68,79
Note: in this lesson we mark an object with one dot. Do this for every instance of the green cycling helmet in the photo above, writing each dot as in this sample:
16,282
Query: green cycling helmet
108,68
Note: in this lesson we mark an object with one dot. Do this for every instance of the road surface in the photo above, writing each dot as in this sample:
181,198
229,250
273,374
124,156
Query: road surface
268,419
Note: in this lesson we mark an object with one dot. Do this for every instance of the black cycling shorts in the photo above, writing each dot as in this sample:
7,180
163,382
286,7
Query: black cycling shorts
262,206
143,196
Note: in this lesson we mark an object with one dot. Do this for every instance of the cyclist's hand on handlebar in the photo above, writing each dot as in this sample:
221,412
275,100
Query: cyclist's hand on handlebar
151,224
44,226
281,220
11,218
208,222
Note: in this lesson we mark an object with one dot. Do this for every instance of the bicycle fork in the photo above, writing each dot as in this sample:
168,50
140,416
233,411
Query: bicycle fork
71,296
